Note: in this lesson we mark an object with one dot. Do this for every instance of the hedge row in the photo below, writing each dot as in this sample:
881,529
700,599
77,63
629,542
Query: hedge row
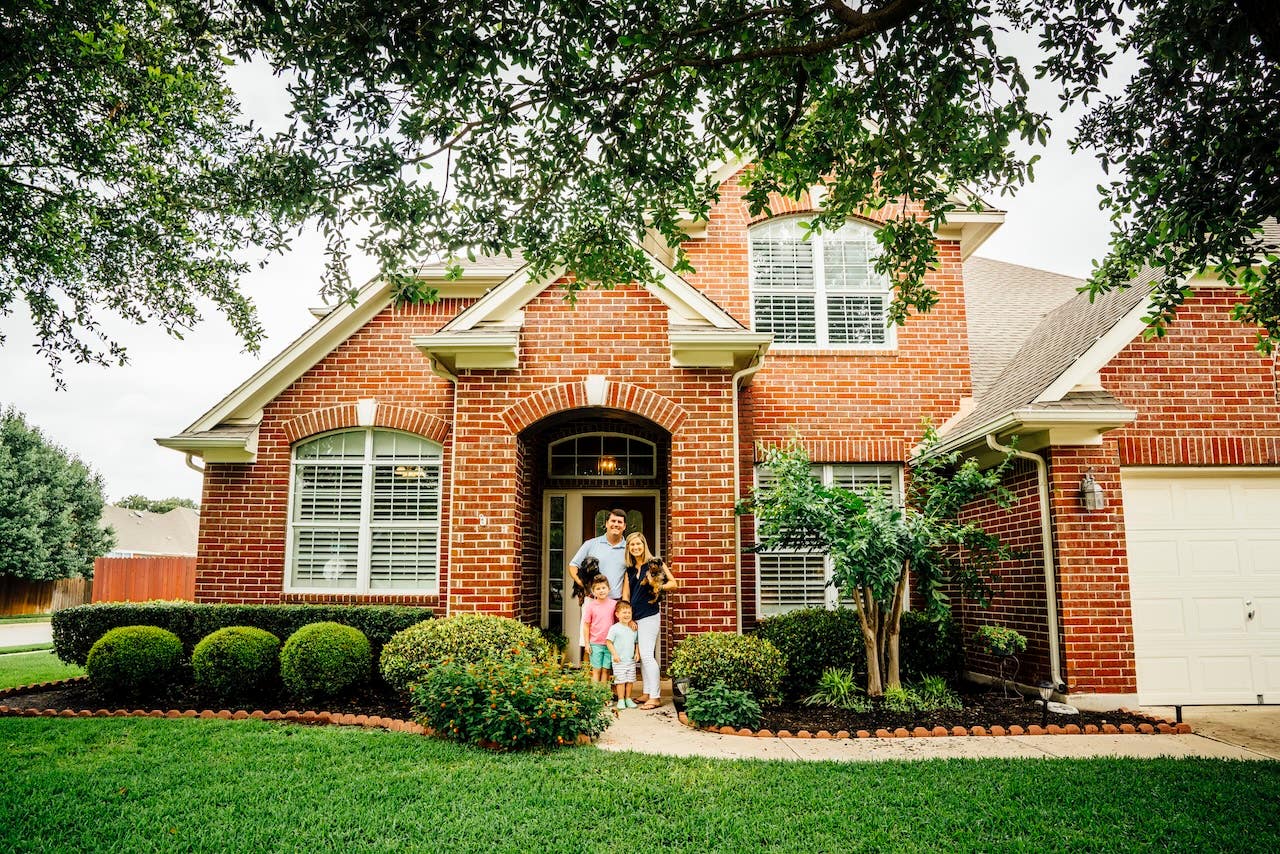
76,629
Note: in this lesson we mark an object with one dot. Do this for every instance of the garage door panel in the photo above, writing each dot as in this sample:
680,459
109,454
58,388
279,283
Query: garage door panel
1200,547
1214,556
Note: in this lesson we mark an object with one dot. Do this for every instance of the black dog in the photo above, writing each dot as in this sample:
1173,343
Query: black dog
588,572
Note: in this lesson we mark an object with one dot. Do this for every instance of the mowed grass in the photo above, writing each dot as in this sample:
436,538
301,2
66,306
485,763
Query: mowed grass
193,785
29,668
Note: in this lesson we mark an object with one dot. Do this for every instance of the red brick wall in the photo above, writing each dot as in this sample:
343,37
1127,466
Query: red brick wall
1018,599
244,508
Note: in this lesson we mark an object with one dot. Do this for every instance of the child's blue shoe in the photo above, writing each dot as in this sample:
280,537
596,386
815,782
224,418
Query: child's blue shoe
622,704
631,704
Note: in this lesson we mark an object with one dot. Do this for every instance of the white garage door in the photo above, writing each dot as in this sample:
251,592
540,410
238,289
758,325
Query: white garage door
1204,568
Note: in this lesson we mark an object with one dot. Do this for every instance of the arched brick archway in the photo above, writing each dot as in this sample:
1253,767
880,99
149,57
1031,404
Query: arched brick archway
616,395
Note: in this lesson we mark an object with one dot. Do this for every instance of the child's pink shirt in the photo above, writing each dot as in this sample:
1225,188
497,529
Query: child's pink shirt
597,616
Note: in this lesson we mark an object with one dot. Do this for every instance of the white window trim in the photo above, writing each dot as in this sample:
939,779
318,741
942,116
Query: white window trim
364,545
821,328
831,596
653,447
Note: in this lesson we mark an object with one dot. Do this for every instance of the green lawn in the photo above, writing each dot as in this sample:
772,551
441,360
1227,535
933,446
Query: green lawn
25,618
28,668
144,784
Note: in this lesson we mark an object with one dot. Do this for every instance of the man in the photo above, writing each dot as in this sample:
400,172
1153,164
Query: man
610,550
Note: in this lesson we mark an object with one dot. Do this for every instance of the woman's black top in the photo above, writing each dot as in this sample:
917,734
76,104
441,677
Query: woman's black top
641,606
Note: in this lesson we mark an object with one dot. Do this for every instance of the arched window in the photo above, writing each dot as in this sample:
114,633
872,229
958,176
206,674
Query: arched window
823,291
364,513
603,456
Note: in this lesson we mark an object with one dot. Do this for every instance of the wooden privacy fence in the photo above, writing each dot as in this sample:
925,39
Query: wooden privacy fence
137,579
41,597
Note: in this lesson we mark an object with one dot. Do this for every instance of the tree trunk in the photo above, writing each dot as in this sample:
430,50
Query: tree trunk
893,630
868,619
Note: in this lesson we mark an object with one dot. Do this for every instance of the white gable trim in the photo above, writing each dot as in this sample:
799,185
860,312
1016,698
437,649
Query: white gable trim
1084,370
502,305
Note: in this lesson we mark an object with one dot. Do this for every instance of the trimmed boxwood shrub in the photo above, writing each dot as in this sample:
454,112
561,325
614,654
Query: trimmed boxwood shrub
814,640
741,662
237,661
513,703
930,647
462,639
76,629
135,661
325,660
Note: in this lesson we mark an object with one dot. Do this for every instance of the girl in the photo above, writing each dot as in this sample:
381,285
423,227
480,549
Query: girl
645,596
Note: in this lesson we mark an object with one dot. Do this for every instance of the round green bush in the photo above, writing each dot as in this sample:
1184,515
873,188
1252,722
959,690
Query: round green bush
462,639
237,661
814,640
135,661
324,660
741,662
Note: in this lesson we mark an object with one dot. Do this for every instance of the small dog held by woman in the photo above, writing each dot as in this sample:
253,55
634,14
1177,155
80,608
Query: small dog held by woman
654,577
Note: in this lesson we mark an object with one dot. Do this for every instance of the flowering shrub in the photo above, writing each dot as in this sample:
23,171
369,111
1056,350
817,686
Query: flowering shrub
463,639
719,706
512,703
741,662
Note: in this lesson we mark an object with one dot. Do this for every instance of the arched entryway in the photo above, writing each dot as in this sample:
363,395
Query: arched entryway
573,467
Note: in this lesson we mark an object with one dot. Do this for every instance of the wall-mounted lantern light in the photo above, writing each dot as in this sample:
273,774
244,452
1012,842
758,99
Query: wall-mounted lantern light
607,465
1092,496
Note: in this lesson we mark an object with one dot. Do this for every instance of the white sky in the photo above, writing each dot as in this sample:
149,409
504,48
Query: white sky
109,417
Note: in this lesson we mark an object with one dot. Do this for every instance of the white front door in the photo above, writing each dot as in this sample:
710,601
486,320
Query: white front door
1204,570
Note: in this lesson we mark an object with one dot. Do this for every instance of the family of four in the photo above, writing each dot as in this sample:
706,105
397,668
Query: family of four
621,618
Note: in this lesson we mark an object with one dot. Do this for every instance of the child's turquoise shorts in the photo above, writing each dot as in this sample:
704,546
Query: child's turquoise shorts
600,656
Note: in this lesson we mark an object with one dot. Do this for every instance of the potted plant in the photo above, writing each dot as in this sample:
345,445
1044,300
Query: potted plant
1000,641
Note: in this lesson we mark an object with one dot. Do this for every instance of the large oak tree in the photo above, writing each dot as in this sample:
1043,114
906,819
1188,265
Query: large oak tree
565,129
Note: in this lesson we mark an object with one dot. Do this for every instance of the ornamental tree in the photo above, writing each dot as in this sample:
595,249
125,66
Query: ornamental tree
50,507
881,549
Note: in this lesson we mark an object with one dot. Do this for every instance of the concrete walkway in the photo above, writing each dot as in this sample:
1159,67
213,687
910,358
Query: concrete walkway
660,732
25,634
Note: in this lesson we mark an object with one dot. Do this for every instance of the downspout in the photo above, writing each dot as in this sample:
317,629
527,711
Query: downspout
1046,547
442,372
191,463
737,523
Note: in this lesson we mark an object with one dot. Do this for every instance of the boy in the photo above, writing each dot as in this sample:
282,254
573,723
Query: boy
625,652
597,617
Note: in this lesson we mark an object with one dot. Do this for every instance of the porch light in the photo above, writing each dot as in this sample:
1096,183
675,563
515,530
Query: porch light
1092,496
1046,691
607,465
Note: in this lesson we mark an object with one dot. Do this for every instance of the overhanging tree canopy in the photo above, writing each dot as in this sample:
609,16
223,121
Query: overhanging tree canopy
566,129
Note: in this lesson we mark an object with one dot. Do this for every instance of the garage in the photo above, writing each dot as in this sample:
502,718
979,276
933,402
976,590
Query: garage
1204,568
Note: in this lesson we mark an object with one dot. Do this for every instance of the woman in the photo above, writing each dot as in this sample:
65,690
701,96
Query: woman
638,588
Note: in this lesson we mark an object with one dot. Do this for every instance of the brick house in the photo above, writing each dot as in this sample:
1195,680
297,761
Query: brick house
456,454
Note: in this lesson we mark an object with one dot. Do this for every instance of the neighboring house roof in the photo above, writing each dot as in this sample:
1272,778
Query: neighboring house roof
1004,303
141,532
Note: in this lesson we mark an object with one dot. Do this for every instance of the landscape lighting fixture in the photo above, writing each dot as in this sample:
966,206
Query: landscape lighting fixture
1046,691
1092,497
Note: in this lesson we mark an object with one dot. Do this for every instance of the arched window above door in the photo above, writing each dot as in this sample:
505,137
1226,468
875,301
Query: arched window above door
603,456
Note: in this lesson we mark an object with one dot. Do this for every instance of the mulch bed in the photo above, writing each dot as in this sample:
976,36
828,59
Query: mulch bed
982,707
372,700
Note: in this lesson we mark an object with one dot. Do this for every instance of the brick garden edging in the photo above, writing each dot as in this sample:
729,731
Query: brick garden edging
292,716
1157,726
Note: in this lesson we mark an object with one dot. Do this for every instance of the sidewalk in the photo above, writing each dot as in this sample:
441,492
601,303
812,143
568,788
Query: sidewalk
659,732
25,634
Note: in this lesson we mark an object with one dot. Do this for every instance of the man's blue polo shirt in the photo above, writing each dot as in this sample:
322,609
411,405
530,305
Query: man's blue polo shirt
612,561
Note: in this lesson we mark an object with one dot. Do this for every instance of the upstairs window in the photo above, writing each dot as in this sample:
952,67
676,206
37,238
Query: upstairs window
364,515
823,291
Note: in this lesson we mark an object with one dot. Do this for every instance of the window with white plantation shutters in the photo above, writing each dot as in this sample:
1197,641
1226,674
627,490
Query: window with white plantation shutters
822,291
788,580
365,513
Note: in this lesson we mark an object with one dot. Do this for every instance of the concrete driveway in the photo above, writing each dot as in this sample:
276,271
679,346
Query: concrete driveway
1255,728
25,634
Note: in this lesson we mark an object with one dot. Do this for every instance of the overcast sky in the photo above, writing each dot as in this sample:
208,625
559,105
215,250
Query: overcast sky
109,417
